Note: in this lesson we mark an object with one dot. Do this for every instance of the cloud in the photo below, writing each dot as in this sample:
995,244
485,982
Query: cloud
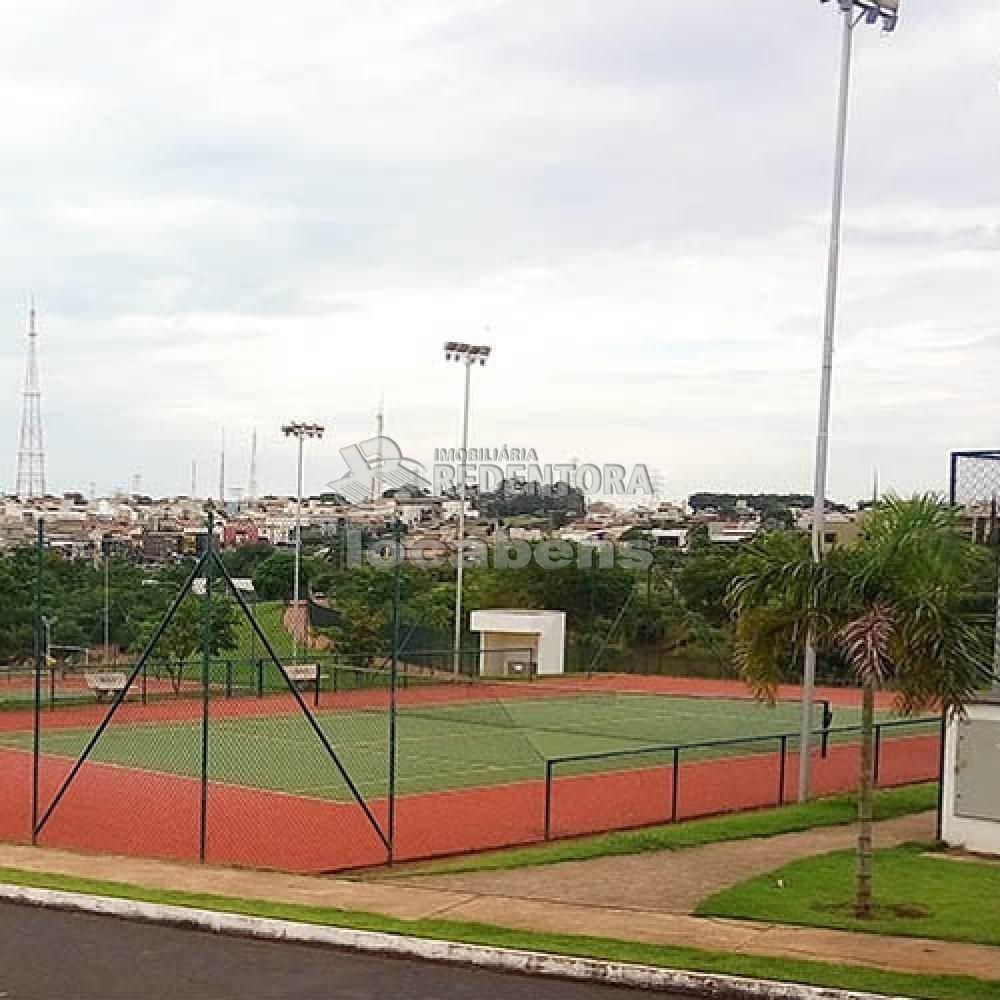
240,213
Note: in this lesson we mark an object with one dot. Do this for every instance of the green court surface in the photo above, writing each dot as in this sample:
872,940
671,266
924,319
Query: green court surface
476,741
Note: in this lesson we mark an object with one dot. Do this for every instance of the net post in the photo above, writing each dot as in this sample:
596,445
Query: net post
781,769
316,685
548,800
260,677
674,783
876,767
824,744
36,737
229,677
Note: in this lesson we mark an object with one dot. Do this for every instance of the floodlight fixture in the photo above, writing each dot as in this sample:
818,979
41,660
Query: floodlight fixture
872,11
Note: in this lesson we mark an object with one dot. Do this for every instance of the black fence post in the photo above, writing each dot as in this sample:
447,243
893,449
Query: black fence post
877,766
781,770
206,657
675,781
827,723
143,684
939,825
36,738
260,678
316,685
229,678
548,799
393,680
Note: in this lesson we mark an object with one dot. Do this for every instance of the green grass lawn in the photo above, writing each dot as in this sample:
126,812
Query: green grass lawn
917,894
477,742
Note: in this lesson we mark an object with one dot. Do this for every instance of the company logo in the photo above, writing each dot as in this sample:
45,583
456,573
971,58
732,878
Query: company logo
375,466
490,469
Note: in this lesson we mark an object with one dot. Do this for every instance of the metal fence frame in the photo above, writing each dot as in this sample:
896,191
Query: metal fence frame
676,749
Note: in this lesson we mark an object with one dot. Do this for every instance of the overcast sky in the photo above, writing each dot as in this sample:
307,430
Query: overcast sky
239,213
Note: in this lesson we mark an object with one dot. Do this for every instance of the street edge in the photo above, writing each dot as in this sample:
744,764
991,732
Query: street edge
696,984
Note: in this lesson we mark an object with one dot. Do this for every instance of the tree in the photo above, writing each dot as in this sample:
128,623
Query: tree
360,632
893,605
184,636
274,577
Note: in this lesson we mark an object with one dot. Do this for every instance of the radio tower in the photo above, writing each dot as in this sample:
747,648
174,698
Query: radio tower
30,453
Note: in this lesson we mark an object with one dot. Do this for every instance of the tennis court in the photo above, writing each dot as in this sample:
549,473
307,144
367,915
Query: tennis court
258,780
448,736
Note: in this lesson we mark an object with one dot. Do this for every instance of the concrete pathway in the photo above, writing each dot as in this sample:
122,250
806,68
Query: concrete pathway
665,881
411,900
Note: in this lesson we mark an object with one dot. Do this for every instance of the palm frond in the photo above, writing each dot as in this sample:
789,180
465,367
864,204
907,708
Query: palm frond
866,643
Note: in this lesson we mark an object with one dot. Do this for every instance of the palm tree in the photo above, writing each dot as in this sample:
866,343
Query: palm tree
891,605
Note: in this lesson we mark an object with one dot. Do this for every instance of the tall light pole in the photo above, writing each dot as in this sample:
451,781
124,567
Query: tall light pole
853,12
107,604
468,355
300,431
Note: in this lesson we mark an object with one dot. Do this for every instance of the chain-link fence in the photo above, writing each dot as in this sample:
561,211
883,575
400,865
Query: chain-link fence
974,489
220,734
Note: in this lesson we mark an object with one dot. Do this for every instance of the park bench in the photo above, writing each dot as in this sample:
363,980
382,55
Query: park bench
105,683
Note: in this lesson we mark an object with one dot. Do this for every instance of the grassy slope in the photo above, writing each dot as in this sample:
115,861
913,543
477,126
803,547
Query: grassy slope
961,899
817,973
838,810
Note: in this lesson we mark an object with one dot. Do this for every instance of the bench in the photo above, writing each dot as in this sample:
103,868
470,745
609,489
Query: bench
105,682
304,674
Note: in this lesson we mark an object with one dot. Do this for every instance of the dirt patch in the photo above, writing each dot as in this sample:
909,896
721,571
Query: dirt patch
903,911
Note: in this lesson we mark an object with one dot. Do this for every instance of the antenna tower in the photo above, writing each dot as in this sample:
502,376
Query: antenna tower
252,485
379,459
30,452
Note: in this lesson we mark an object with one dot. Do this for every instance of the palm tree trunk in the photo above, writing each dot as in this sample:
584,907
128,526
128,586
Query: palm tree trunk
866,783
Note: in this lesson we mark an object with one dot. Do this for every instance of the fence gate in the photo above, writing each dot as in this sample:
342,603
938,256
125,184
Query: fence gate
213,745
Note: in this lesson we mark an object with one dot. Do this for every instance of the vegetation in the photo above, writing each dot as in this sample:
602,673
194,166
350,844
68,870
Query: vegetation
928,987
892,605
184,635
920,895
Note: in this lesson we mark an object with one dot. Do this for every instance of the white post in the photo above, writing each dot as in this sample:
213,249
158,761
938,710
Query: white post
826,378
461,520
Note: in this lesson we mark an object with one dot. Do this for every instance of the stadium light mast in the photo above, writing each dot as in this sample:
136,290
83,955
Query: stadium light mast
300,431
467,354
853,12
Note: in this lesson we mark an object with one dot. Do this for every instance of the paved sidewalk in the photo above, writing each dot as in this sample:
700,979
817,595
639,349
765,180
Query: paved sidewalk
411,902
664,881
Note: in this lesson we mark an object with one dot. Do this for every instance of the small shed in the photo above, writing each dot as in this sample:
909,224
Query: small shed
971,818
515,642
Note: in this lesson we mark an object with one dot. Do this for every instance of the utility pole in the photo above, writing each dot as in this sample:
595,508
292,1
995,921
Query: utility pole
299,431
467,354
871,11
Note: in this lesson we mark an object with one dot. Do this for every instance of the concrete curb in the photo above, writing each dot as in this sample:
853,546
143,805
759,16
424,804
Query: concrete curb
696,984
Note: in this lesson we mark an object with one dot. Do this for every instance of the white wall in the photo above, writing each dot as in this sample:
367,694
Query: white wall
979,835
548,626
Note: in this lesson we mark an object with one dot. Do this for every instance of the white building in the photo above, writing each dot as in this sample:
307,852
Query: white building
971,817
516,642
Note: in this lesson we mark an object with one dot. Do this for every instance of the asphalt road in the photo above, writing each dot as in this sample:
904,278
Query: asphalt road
50,955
